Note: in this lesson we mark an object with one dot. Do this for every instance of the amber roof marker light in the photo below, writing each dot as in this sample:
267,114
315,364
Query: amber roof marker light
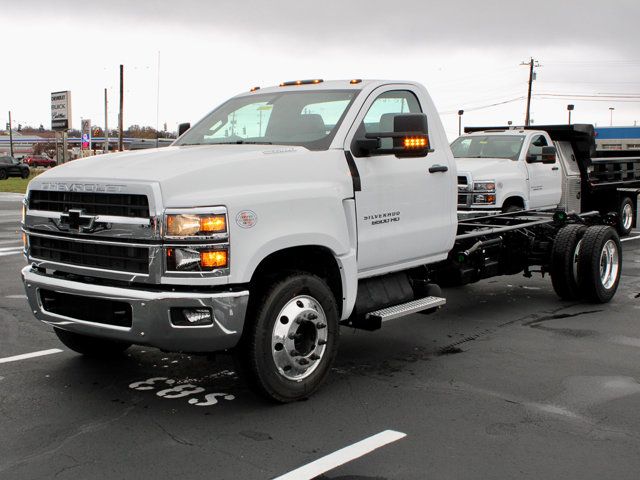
296,83
355,81
253,89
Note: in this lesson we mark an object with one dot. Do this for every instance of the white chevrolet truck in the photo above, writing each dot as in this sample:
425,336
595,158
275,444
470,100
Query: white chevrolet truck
286,212
503,169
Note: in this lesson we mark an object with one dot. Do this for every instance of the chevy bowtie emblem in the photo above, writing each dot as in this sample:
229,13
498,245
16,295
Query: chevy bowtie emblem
77,220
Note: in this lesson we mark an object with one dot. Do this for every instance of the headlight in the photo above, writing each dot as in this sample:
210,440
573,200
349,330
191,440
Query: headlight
197,259
191,225
484,199
488,186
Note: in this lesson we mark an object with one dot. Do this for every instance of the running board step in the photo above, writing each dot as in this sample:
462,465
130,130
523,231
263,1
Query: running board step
403,309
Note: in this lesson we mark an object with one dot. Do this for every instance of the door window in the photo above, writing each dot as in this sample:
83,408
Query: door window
383,110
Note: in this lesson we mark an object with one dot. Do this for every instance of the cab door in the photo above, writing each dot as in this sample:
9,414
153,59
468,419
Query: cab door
404,211
545,180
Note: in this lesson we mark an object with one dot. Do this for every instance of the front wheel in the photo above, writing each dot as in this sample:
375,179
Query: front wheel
3,174
90,346
291,343
25,174
599,264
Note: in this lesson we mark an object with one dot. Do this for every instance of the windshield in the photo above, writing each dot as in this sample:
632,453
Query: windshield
488,146
306,118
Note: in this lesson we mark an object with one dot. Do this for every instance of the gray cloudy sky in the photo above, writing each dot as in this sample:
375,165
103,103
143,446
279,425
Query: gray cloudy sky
467,53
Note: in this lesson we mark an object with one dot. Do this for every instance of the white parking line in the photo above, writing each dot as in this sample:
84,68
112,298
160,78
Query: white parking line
25,356
10,251
628,239
342,456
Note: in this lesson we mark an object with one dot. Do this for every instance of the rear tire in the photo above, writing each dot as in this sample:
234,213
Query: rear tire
90,346
3,174
564,256
288,349
599,264
25,174
625,217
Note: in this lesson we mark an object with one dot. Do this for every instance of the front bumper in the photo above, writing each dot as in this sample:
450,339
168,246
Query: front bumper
150,314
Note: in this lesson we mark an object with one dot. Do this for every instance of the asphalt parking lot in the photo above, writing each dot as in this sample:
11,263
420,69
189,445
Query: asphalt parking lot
506,381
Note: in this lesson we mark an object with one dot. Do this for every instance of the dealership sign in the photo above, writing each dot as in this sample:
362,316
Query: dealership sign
61,110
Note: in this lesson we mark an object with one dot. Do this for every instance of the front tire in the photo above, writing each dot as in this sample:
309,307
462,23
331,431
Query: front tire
25,174
599,264
90,346
3,174
288,349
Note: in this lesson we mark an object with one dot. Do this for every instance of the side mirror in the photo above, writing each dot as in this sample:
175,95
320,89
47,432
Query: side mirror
410,138
183,127
549,155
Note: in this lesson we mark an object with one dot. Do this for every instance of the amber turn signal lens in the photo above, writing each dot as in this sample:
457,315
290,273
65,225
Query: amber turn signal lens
415,142
213,224
213,259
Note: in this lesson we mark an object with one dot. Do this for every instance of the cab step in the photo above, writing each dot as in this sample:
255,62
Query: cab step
397,311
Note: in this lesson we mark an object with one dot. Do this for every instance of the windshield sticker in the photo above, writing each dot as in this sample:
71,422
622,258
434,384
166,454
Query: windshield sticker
246,219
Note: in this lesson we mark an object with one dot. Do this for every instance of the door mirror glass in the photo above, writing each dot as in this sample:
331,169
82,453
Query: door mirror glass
549,155
410,137
183,127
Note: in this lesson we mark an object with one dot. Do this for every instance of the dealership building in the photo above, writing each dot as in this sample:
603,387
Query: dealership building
618,138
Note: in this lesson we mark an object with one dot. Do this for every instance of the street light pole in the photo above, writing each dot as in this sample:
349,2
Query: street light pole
570,109
10,134
460,113
611,109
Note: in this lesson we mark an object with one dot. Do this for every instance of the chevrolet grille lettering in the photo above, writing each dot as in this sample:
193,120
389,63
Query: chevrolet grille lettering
82,187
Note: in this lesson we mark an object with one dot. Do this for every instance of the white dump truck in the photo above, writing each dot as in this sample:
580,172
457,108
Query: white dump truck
286,212
503,169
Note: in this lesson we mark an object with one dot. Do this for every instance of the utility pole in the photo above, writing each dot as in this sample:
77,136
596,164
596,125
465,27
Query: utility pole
611,109
460,113
120,117
10,134
531,63
570,109
106,123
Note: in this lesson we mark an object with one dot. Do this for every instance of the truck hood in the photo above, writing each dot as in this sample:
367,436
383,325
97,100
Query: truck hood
485,168
189,175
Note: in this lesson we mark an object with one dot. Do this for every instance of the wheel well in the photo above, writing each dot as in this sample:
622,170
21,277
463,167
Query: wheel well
513,202
313,259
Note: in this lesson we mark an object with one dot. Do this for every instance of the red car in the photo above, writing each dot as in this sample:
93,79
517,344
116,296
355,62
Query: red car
39,161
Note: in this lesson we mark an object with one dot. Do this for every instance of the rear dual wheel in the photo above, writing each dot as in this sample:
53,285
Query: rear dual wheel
586,263
625,216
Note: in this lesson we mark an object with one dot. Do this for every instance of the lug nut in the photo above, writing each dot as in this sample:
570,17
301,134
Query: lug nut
312,316
322,342
314,356
294,353
294,336
303,361
320,326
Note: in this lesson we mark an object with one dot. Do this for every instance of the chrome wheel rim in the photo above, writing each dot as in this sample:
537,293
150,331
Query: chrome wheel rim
609,264
627,216
299,339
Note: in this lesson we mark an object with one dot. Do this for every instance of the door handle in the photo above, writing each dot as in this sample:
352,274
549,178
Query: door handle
554,168
438,169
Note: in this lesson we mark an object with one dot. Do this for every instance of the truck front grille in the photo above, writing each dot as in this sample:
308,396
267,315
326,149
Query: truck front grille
96,310
114,204
95,255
